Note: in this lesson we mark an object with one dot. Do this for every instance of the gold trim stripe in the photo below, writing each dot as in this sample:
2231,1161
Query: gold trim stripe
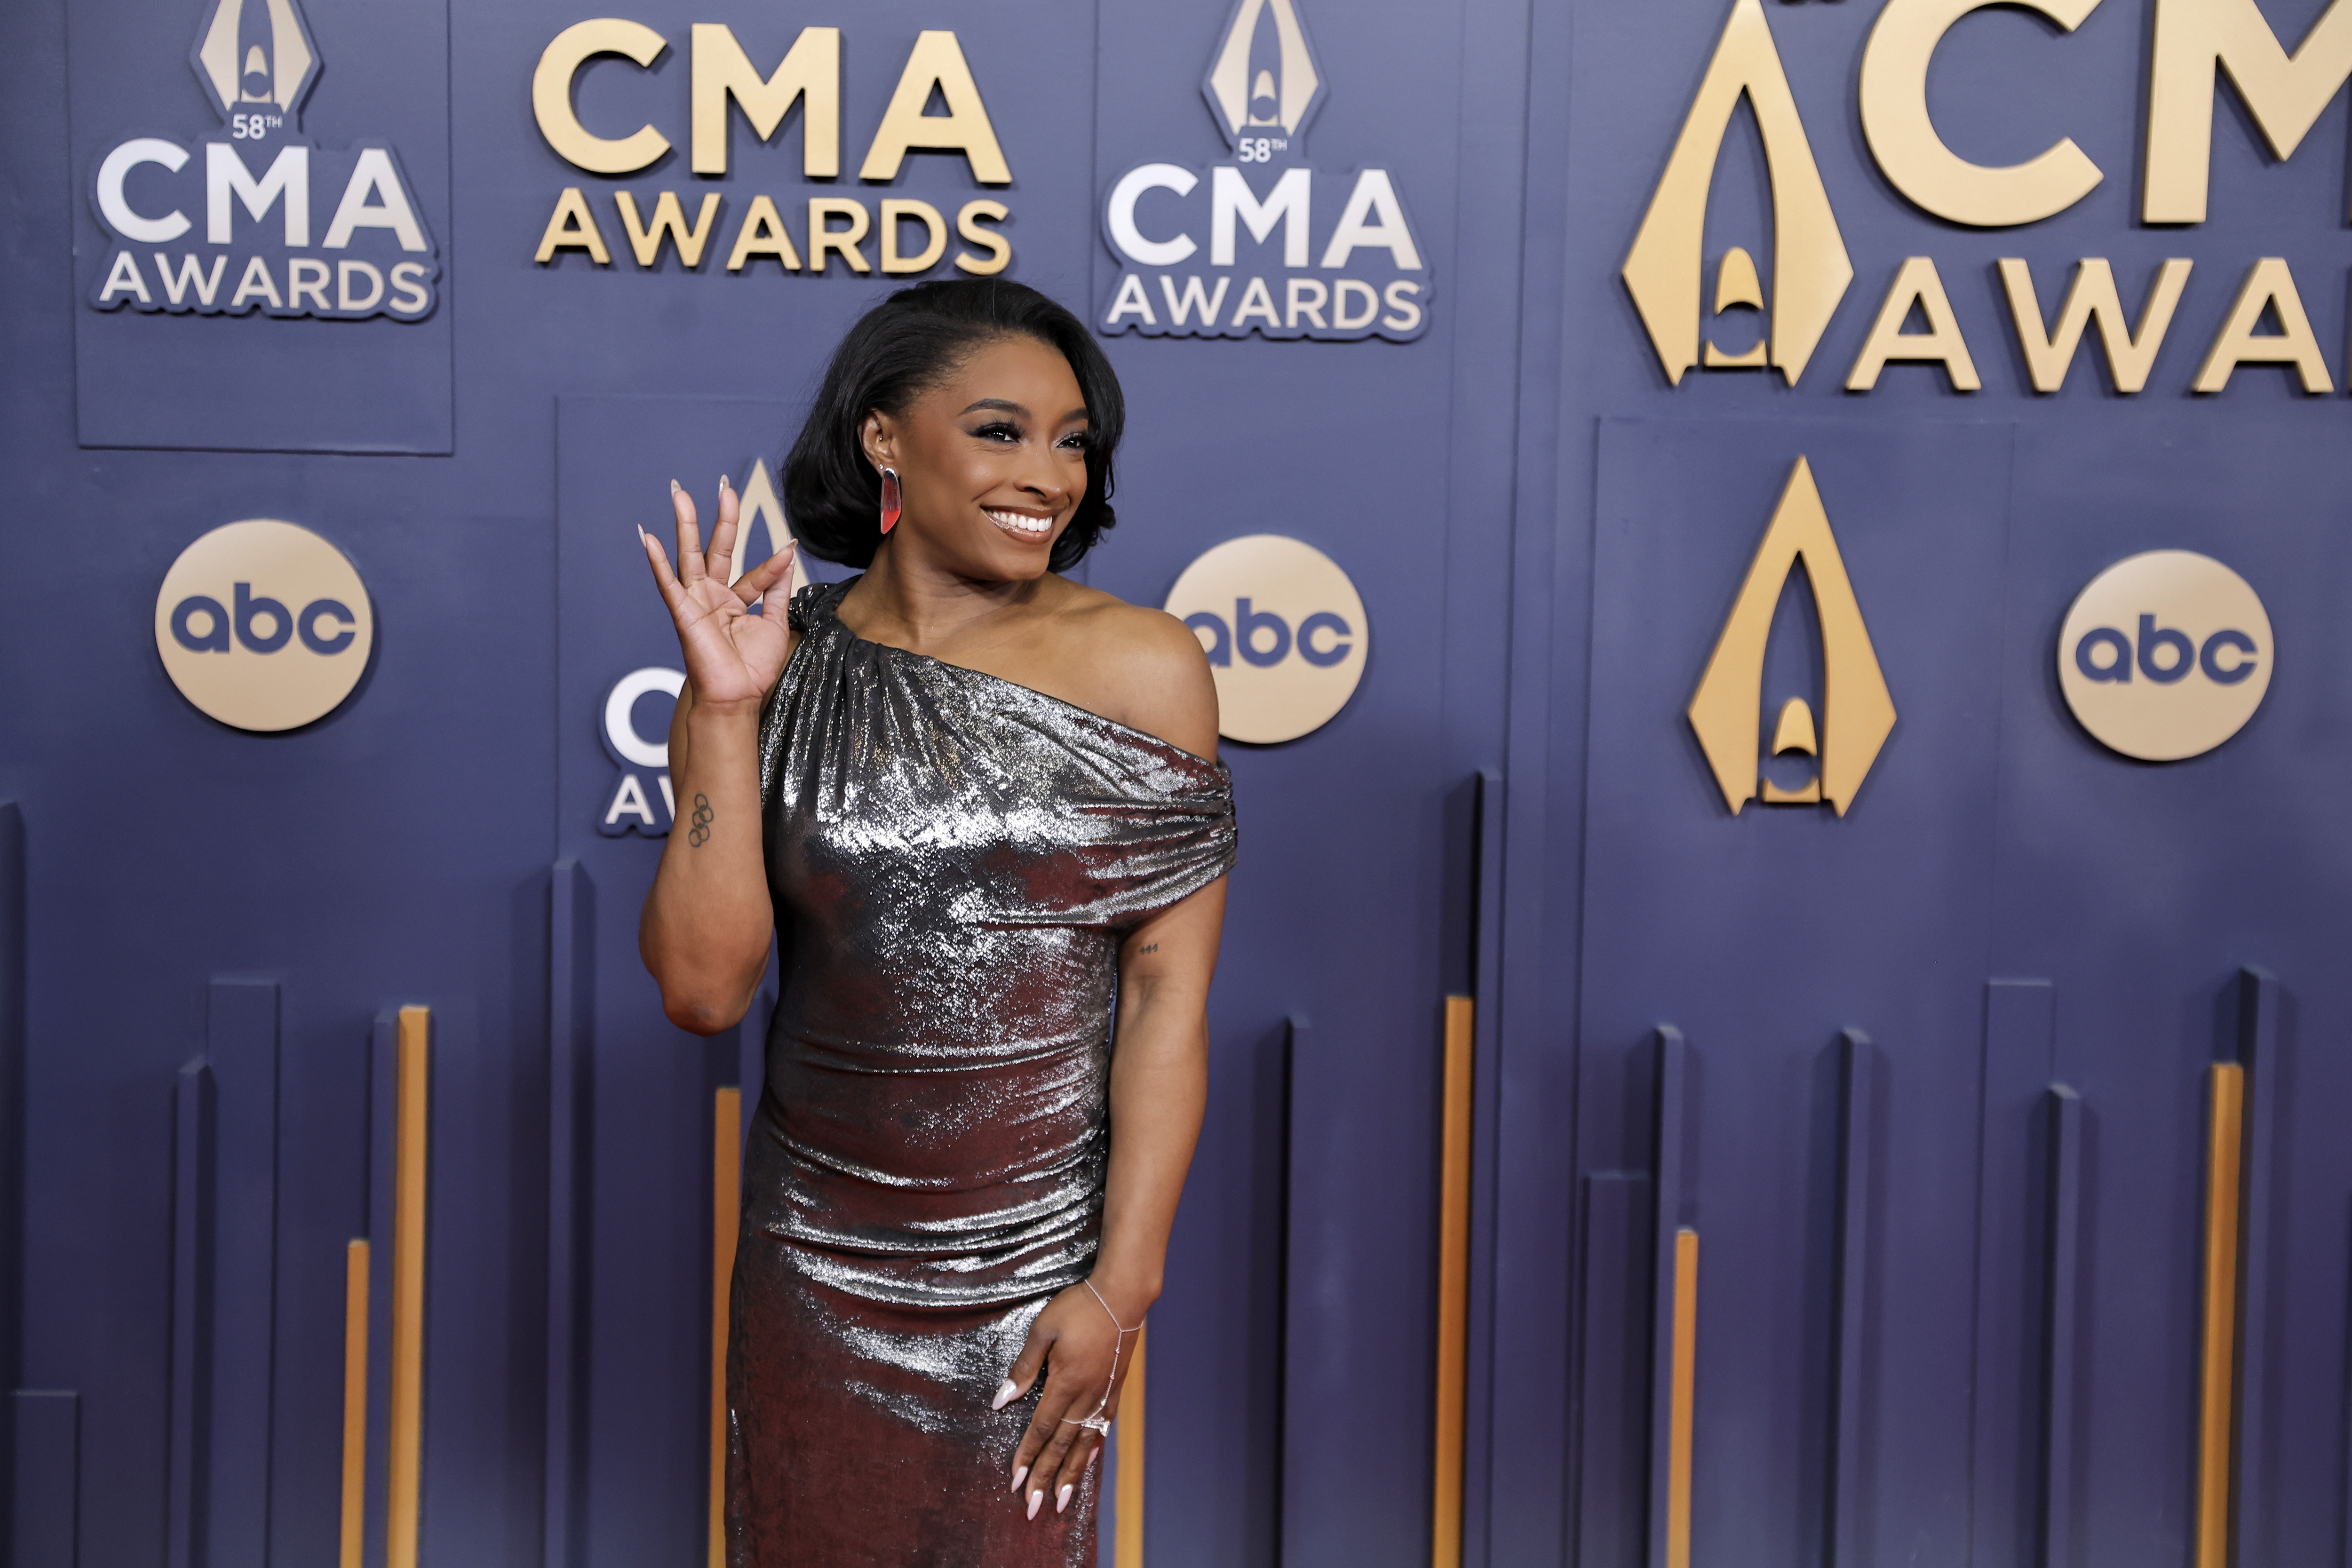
1681,1399
355,1374
1127,1540
726,1216
1453,1283
2225,1135
406,1422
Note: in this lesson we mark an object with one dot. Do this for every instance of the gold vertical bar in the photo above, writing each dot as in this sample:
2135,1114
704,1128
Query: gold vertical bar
726,1215
355,1374
406,1420
1452,1284
1127,1542
2225,1135
1681,1397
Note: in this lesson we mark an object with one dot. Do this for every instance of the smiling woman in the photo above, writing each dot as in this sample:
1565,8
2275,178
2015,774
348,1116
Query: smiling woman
982,803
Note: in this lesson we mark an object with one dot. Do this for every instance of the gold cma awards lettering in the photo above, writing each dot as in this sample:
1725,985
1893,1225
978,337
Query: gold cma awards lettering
830,226
2198,45
1365,278
262,189
1857,711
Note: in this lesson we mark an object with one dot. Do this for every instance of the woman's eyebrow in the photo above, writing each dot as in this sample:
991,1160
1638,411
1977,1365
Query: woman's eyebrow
1002,405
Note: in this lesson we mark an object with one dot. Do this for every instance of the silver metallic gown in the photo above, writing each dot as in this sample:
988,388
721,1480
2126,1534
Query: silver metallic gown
954,859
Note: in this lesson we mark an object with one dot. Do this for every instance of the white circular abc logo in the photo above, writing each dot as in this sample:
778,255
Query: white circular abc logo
2165,655
263,624
1285,632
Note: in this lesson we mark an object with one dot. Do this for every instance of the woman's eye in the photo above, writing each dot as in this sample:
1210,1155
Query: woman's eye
999,431
1075,442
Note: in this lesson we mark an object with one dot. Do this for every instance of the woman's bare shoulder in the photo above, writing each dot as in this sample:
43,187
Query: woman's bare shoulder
1145,667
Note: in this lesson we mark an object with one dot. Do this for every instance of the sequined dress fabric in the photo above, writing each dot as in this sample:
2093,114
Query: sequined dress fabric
954,859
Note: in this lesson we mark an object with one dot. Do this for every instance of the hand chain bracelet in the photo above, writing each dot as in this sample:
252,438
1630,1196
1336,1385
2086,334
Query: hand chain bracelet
1098,1422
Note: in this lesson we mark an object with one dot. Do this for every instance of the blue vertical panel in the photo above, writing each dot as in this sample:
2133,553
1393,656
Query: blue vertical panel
46,1479
1669,1206
241,1048
383,1157
2142,890
2060,1326
2259,1373
12,1099
189,1407
571,1073
1851,1433
2019,1057
1486,964
1614,1457
1766,932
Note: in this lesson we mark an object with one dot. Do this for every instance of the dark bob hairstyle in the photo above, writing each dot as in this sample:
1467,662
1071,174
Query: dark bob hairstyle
898,351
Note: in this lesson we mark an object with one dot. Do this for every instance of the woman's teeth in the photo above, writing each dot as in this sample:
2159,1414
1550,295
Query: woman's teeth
1020,524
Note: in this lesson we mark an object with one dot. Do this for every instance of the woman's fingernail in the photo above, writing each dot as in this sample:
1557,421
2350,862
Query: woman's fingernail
1006,1393
641,533
1036,1501
672,487
1018,1476
1061,1500
724,483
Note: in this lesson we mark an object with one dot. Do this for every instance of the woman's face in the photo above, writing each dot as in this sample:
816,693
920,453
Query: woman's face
992,462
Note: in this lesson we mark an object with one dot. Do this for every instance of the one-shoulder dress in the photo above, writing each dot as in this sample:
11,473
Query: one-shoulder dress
954,859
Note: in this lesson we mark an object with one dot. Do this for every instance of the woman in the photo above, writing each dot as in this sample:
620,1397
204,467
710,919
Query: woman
980,802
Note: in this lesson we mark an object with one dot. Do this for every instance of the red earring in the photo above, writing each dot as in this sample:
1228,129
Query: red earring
889,500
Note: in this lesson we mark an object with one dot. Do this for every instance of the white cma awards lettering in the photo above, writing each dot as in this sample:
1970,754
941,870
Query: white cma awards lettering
1364,276
262,191
2199,46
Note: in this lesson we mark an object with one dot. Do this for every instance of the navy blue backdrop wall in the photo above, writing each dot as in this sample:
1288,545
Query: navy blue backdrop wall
1924,1072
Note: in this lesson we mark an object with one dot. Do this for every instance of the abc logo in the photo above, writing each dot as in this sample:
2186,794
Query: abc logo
1285,632
2165,655
263,624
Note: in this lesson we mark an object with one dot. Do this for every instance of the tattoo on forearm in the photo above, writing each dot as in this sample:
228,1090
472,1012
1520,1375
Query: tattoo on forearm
703,817
1146,947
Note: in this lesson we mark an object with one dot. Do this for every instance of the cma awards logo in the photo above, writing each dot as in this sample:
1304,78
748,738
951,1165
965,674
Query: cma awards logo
1843,738
633,723
2198,46
279,225
1284,256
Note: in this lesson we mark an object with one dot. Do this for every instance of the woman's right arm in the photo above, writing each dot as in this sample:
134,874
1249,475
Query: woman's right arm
707,922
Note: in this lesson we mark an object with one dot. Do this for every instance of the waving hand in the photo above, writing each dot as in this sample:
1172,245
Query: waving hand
732,656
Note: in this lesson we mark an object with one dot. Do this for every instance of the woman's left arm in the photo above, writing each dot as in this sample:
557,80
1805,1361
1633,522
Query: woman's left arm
1159,1086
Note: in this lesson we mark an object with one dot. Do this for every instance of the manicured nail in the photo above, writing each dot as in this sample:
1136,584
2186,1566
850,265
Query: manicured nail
1093,1456
641,533
1007,1392
1037,1501
672,487
1062,1499
724,483
1018,1476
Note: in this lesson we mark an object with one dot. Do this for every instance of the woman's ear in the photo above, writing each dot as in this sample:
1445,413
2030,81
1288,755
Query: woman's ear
879,439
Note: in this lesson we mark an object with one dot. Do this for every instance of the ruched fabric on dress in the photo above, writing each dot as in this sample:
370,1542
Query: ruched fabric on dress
954,860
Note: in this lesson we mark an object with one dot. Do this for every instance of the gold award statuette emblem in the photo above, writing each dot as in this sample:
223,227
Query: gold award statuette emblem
1857,711
263,625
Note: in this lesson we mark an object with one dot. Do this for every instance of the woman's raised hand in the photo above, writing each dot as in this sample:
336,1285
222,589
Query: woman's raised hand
732,656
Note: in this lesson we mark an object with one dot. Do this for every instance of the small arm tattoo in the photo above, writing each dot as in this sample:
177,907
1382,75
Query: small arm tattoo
1147,947
703,817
